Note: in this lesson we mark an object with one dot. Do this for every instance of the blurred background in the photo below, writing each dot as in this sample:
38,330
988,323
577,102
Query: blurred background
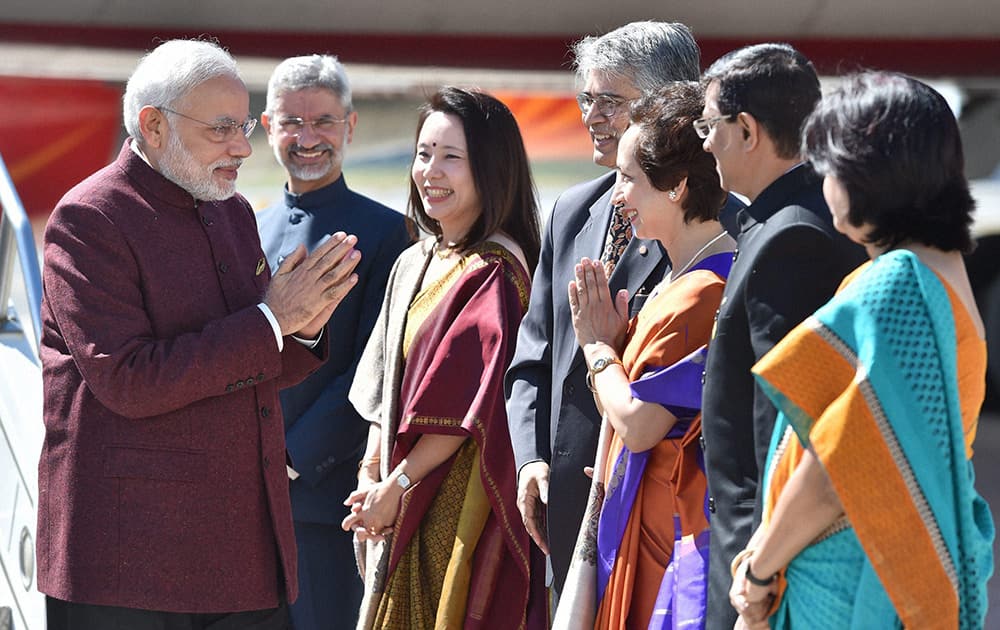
63,64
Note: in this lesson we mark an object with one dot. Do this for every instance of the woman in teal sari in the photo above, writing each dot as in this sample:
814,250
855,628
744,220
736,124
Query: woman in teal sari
871,517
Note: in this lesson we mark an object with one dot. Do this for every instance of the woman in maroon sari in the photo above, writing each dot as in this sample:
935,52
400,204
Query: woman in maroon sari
441,543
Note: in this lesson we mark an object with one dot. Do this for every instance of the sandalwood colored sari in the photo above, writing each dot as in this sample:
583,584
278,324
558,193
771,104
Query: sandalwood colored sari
885,383
641,557
460,556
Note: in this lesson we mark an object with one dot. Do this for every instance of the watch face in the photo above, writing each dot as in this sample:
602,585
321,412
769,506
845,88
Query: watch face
599,364
403,481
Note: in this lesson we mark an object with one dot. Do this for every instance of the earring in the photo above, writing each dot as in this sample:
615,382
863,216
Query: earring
673,195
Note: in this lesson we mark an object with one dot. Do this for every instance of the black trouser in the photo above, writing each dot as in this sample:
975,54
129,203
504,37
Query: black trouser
65,615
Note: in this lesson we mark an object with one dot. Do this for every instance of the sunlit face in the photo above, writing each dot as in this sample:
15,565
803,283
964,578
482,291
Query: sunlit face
650,211
605,132
309,131
443,175
723,142
190,157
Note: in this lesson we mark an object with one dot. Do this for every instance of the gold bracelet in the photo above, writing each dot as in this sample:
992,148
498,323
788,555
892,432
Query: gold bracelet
734,566
368,461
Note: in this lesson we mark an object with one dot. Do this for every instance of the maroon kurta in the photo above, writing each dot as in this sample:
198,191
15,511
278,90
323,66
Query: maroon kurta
162,482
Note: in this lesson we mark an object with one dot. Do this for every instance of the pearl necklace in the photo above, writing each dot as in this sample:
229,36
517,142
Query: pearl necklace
673,276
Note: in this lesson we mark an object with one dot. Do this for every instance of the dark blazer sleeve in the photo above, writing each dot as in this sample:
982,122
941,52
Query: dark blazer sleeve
796,272
330,429
528,382
94,287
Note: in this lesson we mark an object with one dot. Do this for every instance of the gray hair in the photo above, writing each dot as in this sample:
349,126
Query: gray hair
310,71
169,72
648,54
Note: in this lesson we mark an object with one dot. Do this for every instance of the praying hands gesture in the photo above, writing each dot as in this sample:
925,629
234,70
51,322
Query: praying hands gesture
599,321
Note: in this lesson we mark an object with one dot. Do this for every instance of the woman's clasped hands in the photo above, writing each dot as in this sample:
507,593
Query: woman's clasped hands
598,319
374,506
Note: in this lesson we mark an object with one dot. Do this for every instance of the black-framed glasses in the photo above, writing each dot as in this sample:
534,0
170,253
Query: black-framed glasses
704,126
608,106
222,130
293,125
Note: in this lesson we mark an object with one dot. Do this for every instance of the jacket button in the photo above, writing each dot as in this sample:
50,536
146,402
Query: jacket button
701,441
223,267
569,389
643,250
264,412
711,504
206,220
703,378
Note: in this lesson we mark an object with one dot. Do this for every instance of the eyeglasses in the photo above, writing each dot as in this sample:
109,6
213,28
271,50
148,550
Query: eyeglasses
608,106
293,125
224,130
704,126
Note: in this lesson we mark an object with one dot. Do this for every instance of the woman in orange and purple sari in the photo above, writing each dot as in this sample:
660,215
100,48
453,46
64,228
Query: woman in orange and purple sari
648,557
435,504
871,518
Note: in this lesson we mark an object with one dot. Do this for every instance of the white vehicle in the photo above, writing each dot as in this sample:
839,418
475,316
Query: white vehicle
22,607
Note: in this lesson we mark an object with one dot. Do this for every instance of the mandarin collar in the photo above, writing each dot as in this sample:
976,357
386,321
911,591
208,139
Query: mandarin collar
773,197
151,180
319,199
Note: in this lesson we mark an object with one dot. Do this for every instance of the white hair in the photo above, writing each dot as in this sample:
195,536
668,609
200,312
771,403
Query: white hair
169,72
310,71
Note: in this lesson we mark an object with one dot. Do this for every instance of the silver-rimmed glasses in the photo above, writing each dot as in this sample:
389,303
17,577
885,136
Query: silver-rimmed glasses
704,126
223,130
293,125
609,106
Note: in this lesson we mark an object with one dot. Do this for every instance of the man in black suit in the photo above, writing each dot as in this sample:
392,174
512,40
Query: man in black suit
310,120
554,423
789,262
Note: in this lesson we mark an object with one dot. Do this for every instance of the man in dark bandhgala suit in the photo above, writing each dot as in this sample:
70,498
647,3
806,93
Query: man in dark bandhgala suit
789,261
310,120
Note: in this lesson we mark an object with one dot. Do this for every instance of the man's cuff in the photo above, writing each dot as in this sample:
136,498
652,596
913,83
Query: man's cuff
274,325
309,343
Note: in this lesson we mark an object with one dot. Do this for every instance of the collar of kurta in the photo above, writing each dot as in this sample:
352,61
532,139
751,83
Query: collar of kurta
320,199
152,181
775,196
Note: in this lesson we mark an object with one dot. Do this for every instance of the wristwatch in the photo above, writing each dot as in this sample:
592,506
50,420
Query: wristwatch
602,363
599,365
403,481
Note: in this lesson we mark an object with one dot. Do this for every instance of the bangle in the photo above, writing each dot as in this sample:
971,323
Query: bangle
753,579
368,461
734,566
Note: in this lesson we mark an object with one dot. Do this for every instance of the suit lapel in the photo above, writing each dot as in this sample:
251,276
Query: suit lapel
589,241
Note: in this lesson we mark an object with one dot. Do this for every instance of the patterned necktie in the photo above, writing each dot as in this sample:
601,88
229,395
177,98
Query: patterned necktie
619,234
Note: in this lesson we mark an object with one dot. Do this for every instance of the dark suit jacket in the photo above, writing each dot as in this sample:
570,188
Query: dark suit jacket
162,482
789,261
550,411
323,433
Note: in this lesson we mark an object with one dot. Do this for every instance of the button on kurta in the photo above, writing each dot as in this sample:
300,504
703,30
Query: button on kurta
223,267
264,412
206,220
